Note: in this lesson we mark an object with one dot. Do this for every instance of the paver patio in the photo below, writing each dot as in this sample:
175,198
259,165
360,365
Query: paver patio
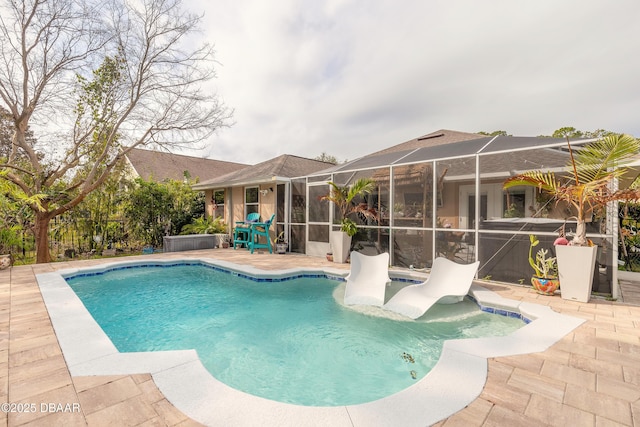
589,378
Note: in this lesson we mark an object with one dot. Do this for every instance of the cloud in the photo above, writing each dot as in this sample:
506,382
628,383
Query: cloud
348,77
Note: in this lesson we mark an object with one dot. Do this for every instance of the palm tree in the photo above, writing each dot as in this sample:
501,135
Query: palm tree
343,197
587,186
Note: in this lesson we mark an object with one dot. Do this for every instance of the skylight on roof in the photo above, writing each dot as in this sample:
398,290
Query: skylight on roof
422,138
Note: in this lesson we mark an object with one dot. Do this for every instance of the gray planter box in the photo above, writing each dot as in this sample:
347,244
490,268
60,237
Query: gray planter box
191,242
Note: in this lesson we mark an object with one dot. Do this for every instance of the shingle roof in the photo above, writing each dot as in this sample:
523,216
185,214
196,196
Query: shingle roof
445,144
286,166
159,166
440,137
394,153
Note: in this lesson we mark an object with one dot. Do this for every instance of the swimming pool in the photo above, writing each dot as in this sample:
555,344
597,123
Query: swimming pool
285,339
454,382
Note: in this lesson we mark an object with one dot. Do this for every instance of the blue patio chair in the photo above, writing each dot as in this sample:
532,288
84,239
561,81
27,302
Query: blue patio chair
261,229
242,231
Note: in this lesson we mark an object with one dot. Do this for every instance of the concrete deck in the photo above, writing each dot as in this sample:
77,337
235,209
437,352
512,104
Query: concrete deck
589,378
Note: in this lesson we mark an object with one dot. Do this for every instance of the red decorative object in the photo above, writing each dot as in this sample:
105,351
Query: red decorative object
545,286
561,241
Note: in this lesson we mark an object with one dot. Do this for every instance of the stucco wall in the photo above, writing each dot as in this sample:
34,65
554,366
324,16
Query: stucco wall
268,201
237,195
208,206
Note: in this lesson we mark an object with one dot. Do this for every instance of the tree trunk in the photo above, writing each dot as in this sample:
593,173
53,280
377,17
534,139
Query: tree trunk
580,238
41,233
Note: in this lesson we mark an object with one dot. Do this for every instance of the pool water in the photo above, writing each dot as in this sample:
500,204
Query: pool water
287,341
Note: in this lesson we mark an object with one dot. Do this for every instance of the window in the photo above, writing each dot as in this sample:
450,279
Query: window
251,200
218,203
513,204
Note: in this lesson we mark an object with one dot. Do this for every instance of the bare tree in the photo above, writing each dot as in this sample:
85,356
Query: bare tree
93,79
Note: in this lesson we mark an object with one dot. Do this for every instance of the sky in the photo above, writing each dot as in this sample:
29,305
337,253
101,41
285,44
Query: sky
350,77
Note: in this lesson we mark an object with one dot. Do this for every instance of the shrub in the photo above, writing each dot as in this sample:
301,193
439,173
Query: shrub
204,225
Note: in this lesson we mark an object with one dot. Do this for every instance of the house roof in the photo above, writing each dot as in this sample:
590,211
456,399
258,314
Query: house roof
159,165
398,152
446,144
440,137
284,166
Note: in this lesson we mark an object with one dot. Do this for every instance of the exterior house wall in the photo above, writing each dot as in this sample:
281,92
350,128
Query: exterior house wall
448,212
268,205
267,201
234,204
208,203
237,204
228,210
129,173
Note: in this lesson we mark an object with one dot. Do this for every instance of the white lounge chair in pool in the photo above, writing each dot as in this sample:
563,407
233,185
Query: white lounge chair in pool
367,281
447,283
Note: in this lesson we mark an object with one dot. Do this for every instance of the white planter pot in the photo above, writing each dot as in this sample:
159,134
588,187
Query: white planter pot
575,271
340,245
219,239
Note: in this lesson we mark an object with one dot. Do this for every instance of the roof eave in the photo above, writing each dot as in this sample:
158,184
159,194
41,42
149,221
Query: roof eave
241,183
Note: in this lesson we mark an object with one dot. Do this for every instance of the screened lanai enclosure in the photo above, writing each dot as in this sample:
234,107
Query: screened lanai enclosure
447,201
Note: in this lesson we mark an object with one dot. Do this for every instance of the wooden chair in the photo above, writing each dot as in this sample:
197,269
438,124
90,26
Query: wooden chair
261,229
242,231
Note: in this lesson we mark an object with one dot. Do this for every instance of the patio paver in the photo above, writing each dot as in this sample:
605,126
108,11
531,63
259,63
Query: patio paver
589,378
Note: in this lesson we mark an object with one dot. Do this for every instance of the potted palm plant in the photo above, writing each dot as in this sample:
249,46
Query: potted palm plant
545,279
587,187
343,198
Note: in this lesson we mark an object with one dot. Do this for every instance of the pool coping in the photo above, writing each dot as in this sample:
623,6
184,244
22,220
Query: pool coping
457,379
